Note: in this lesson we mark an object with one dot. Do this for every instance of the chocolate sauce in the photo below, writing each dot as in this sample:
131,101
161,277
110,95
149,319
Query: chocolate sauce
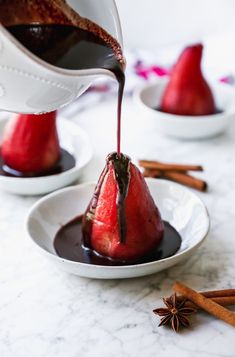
68,245
121,165
66,162
217,111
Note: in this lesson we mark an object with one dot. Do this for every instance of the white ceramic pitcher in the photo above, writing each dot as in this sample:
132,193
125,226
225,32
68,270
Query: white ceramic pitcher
30,85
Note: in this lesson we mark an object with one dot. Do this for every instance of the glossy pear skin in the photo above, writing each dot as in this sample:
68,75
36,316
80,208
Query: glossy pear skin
187,92
30,143
144,227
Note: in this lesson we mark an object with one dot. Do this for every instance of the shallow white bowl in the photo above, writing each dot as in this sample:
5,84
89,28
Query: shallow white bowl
178,205
75,141
149,97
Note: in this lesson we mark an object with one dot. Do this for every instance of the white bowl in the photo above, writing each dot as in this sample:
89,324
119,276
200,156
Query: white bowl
75,141
178,205
149,96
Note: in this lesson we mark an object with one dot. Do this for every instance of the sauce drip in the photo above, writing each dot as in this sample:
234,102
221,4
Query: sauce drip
121,165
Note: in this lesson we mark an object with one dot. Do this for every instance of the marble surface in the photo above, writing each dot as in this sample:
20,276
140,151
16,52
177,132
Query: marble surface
45,312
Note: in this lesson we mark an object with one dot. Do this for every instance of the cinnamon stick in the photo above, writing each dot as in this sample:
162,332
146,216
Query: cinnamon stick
215,293
205,303
222,300
180,177
154,173
187,180
146,164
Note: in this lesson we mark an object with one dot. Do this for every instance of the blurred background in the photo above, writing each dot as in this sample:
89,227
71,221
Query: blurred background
155,25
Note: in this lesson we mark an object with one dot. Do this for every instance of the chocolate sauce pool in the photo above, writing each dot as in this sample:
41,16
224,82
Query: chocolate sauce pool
66,162
68,245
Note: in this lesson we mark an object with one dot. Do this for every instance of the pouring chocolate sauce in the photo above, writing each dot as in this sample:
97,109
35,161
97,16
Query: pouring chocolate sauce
58,35
55,33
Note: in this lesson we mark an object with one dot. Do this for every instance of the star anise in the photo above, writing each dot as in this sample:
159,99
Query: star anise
176,312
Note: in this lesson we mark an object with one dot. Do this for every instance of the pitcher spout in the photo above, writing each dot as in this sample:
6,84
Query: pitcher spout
32,81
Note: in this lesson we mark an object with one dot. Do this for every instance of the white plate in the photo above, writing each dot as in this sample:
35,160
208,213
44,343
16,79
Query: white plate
149,96
75,141
178,205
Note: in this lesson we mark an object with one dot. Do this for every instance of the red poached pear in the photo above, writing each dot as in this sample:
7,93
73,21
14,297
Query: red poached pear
30,143
187,92
122,221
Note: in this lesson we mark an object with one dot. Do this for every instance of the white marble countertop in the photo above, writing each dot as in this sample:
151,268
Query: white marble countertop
47,313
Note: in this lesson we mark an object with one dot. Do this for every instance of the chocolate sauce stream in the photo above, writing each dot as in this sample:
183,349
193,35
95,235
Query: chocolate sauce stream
121,81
